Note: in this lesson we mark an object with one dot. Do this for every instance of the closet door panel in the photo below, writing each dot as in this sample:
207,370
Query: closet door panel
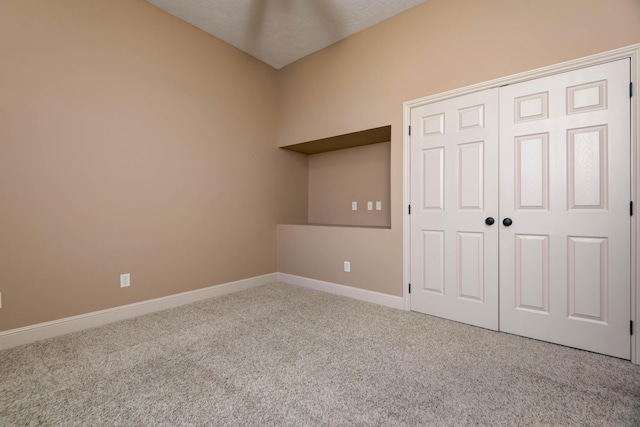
454,188
565,185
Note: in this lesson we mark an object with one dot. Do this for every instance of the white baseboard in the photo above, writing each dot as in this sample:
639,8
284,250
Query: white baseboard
40,331
346,291
32,333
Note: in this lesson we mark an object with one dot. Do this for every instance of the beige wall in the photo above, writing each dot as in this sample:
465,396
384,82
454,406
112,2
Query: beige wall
361,83
131,142
319,252
337,178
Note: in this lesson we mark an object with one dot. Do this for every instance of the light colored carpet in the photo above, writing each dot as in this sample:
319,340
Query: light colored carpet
281,355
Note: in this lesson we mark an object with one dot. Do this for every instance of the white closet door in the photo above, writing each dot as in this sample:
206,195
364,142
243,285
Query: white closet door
565,185
454,183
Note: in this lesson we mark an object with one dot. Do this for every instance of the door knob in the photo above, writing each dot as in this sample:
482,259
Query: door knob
507,222
489,221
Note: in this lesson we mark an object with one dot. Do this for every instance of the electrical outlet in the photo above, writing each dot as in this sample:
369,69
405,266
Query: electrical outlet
347,267
125,280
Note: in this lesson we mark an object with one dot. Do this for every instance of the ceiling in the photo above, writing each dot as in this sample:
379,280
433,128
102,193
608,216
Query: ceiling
280,32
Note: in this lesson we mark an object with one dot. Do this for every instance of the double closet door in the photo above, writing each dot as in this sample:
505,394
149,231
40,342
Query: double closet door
520,216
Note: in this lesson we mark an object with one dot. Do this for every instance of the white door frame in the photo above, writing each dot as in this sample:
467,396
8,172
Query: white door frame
632,52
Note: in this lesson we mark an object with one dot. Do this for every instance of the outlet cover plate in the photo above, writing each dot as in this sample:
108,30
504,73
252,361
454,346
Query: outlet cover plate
125,280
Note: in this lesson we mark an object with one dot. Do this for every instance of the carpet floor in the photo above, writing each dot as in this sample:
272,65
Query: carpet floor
280,355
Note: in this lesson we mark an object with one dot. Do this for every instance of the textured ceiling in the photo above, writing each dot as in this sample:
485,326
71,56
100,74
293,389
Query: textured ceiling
280,32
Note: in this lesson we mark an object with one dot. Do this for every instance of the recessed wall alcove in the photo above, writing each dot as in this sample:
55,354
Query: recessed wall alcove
343,169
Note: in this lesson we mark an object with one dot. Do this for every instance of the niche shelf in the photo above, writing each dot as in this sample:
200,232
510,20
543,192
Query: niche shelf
347,168
340,142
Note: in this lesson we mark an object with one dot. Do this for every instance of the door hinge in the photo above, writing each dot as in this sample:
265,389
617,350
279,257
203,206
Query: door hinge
631,208
630,89
409,287
409,209
630,327
409,130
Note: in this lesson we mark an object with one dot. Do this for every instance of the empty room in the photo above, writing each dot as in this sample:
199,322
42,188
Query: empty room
319,212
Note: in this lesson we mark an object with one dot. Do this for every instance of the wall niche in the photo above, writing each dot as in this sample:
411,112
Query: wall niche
349,168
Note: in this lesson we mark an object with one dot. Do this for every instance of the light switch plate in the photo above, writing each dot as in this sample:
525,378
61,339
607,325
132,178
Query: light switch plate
378,205
354,206
369,206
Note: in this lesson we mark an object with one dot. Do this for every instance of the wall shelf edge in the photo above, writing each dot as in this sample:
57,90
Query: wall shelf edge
339,142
